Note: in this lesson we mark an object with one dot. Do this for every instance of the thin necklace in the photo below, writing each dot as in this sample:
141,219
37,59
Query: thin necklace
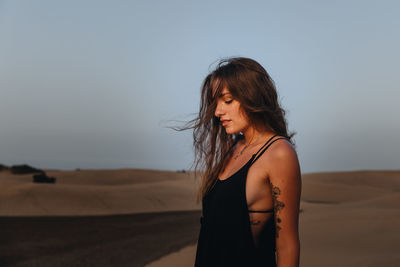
241,152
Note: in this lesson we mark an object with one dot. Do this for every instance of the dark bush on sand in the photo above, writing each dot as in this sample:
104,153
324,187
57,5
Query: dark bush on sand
24,169
3,167
43,178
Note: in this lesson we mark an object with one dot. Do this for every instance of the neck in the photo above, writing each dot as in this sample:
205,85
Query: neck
251,134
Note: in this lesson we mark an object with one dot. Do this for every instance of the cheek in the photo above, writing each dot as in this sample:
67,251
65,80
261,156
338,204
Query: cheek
243,118
241,114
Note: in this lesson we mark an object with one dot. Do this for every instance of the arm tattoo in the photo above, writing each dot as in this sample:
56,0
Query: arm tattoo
254,222
278,205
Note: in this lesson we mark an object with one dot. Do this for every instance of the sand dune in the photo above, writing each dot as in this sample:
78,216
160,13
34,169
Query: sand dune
348,218
97,192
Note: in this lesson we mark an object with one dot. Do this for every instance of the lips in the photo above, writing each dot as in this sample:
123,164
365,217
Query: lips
225,122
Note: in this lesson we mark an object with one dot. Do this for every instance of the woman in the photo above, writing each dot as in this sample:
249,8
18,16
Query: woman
251,185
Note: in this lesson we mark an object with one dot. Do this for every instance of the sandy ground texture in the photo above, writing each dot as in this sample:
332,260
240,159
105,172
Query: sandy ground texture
116,240
96,217
97,192
348,219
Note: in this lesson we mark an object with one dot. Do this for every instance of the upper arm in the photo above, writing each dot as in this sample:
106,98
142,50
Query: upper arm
285,180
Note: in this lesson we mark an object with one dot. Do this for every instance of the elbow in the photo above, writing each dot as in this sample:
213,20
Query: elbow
290,248
289,256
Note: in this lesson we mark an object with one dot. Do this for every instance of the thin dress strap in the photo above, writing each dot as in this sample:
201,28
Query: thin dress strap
259,155
266,143
262,211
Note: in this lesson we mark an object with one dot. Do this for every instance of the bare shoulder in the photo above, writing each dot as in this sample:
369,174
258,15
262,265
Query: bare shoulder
281,160
282,149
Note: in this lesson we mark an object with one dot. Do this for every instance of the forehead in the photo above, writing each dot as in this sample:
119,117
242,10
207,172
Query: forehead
222,93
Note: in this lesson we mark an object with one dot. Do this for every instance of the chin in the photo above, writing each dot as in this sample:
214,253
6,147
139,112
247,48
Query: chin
229,131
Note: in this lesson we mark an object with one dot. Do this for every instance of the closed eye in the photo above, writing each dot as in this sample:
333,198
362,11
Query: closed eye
228,102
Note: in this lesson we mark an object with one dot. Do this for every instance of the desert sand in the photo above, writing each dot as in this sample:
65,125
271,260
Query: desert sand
347,219
97,192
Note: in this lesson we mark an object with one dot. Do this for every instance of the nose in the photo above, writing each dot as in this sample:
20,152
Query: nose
218,110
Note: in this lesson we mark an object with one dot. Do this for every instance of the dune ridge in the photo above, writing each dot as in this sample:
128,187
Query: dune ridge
97,192
347,219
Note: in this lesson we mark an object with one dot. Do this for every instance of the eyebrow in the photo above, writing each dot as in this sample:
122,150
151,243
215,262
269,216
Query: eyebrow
221,95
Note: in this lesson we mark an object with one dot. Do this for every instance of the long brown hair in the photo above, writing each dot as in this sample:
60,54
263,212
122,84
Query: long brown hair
251,85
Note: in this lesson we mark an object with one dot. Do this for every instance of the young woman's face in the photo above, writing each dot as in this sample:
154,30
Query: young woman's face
230,114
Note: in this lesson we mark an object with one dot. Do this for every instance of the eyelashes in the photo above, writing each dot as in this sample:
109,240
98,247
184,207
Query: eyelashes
228,102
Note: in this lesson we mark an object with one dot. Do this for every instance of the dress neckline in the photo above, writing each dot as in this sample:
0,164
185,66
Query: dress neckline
224,180
262,148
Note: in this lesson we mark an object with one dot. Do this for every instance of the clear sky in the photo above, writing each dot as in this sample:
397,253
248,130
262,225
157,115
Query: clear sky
92,84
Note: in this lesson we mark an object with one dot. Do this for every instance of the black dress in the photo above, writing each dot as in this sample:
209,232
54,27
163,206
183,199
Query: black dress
225,238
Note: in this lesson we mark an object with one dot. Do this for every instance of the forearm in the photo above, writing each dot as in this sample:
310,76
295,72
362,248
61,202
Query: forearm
289,256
